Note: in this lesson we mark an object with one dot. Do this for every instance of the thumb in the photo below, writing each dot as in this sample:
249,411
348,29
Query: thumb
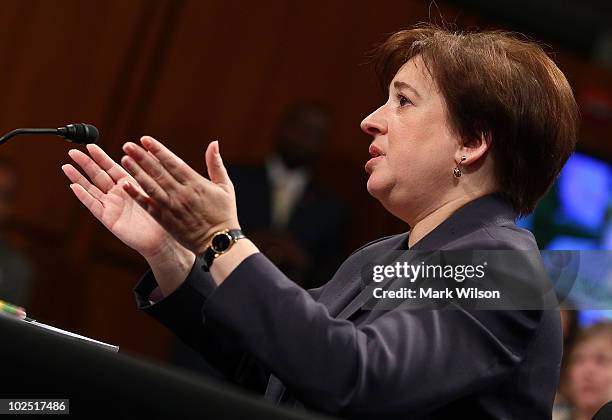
214,164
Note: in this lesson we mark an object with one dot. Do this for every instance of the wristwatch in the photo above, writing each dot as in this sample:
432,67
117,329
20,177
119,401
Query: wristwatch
220,243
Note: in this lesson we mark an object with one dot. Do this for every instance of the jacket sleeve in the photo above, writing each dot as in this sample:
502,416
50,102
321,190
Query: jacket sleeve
181,312
404,360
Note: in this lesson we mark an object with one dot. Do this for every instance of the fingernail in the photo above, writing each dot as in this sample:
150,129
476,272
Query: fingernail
149,143
129,146
126,162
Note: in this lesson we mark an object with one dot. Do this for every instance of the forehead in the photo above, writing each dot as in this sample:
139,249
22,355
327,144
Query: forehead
416,73
596,343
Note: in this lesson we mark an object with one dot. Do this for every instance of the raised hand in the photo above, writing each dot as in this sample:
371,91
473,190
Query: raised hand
111,205
189,206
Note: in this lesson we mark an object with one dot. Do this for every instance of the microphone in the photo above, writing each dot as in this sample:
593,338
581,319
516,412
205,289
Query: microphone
75,133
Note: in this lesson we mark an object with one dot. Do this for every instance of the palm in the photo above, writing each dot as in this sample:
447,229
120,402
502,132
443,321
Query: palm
109,203
130,222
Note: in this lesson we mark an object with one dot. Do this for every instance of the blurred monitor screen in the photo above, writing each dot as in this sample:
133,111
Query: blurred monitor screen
576,214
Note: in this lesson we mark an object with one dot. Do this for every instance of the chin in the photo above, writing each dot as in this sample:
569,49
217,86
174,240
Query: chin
387,196
371,186
378,188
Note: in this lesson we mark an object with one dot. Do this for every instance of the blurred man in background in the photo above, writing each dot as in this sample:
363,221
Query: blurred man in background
291,217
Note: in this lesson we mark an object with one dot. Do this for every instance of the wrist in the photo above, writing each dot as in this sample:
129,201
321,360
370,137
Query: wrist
208,236
170,266
170,252
226,263
221,242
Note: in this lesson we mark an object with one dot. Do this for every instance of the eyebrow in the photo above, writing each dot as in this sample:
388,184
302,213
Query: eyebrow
403,85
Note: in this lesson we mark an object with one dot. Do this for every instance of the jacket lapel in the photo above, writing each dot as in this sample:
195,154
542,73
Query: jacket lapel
346,284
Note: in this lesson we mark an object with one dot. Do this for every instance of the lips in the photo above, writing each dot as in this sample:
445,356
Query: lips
376,154
375,151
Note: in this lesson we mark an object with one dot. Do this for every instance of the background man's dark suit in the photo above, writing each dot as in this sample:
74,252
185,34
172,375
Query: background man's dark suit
281,206
315,225
398,364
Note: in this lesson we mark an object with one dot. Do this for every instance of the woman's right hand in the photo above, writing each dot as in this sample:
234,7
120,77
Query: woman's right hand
110,204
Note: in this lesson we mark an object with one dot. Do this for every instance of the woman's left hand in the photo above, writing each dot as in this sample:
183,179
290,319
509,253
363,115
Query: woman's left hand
189,206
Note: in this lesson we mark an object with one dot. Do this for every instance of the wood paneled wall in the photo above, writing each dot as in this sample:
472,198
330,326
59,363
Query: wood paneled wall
187,72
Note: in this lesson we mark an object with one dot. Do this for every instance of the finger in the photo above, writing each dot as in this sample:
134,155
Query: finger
140,198
98,177
93,205
77,178
112,168
148,185
173,164
151,166
214,165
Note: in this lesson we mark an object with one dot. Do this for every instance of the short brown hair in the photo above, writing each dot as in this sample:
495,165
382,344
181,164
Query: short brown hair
501,85
600,329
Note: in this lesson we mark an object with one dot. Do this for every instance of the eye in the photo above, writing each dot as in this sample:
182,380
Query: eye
403,101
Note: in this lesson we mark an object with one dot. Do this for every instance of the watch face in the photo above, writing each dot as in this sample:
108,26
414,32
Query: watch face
221,242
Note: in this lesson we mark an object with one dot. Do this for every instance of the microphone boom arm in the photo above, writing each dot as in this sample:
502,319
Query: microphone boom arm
19,131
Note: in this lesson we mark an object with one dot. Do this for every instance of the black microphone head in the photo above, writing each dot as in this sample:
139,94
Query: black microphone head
79,133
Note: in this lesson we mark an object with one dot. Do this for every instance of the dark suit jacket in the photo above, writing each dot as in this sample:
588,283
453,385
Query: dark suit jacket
316,222
374,364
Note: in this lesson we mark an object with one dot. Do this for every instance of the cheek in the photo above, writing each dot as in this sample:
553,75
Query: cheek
606,378
578,375
421,143
428,163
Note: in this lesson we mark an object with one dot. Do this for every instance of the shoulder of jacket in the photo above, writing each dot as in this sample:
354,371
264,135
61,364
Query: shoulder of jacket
376,241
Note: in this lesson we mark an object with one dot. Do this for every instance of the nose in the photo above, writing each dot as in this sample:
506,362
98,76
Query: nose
375,123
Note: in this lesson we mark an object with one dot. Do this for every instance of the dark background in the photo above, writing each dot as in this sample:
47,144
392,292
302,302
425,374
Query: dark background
190,71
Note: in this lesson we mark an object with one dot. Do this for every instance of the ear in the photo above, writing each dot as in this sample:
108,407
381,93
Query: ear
473,149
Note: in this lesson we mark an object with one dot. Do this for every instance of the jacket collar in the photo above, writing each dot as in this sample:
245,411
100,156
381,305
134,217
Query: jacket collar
490,209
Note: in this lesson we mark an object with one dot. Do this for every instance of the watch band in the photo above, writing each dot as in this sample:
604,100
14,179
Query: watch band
220,243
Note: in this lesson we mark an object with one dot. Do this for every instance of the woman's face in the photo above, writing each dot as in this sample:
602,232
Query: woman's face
590,373
413,148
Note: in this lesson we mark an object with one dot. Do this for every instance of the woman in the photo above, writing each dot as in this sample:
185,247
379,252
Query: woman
589,371
475,129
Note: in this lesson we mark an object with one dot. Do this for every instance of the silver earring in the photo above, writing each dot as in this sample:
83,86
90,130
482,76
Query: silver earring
457,171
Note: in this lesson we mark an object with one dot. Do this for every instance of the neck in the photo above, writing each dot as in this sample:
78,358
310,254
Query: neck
583,414
430,220
579,415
